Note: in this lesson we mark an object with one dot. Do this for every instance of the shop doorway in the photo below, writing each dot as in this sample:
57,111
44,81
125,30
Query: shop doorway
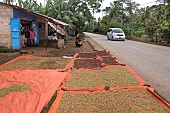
25,34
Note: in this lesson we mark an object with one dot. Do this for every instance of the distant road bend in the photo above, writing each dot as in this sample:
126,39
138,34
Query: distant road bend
151,62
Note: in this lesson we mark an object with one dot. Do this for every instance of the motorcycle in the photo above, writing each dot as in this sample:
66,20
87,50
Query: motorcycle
78,42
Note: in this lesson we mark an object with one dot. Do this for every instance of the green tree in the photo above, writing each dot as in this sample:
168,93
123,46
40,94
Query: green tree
151,23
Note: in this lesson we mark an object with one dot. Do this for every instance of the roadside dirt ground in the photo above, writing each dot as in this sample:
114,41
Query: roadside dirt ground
69,48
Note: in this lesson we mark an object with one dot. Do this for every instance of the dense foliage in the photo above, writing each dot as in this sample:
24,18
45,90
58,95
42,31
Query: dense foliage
150,24
76,12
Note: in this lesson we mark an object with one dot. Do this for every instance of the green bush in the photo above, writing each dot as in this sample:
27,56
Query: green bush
6,50
139,33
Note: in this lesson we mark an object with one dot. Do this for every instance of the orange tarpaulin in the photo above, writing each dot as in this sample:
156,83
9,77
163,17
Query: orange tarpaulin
43,84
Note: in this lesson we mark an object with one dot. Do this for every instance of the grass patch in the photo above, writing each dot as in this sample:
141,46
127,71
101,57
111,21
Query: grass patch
14,88
114,76
6,50
24,52
38,63
148,40
7,57
122,101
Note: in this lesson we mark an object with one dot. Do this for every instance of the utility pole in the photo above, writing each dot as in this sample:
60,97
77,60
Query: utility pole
122,15
93,18
102,7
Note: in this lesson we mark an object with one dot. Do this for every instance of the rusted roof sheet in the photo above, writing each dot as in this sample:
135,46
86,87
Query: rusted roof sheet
56,29
54,20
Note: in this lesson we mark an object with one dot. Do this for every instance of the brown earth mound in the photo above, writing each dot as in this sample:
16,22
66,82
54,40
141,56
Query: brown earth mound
87,63
109,61
86,55
102,53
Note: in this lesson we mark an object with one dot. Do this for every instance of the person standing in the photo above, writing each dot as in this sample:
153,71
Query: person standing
32,37
27,35
23,37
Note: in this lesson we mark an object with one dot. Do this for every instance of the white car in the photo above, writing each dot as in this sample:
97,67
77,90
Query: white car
115,34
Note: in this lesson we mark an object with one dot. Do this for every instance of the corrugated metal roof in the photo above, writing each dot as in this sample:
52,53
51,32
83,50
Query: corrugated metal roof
57,21
54,20
58,31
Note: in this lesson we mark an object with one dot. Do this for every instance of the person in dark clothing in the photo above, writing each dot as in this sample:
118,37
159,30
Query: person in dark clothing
78,41
27,35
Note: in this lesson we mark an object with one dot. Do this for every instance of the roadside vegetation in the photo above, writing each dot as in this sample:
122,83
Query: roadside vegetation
74,12
149,24
7,54
6,50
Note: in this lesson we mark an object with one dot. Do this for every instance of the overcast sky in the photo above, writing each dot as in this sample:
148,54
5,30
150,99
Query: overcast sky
142,2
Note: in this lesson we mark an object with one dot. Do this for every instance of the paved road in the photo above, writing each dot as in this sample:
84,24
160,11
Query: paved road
151,62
